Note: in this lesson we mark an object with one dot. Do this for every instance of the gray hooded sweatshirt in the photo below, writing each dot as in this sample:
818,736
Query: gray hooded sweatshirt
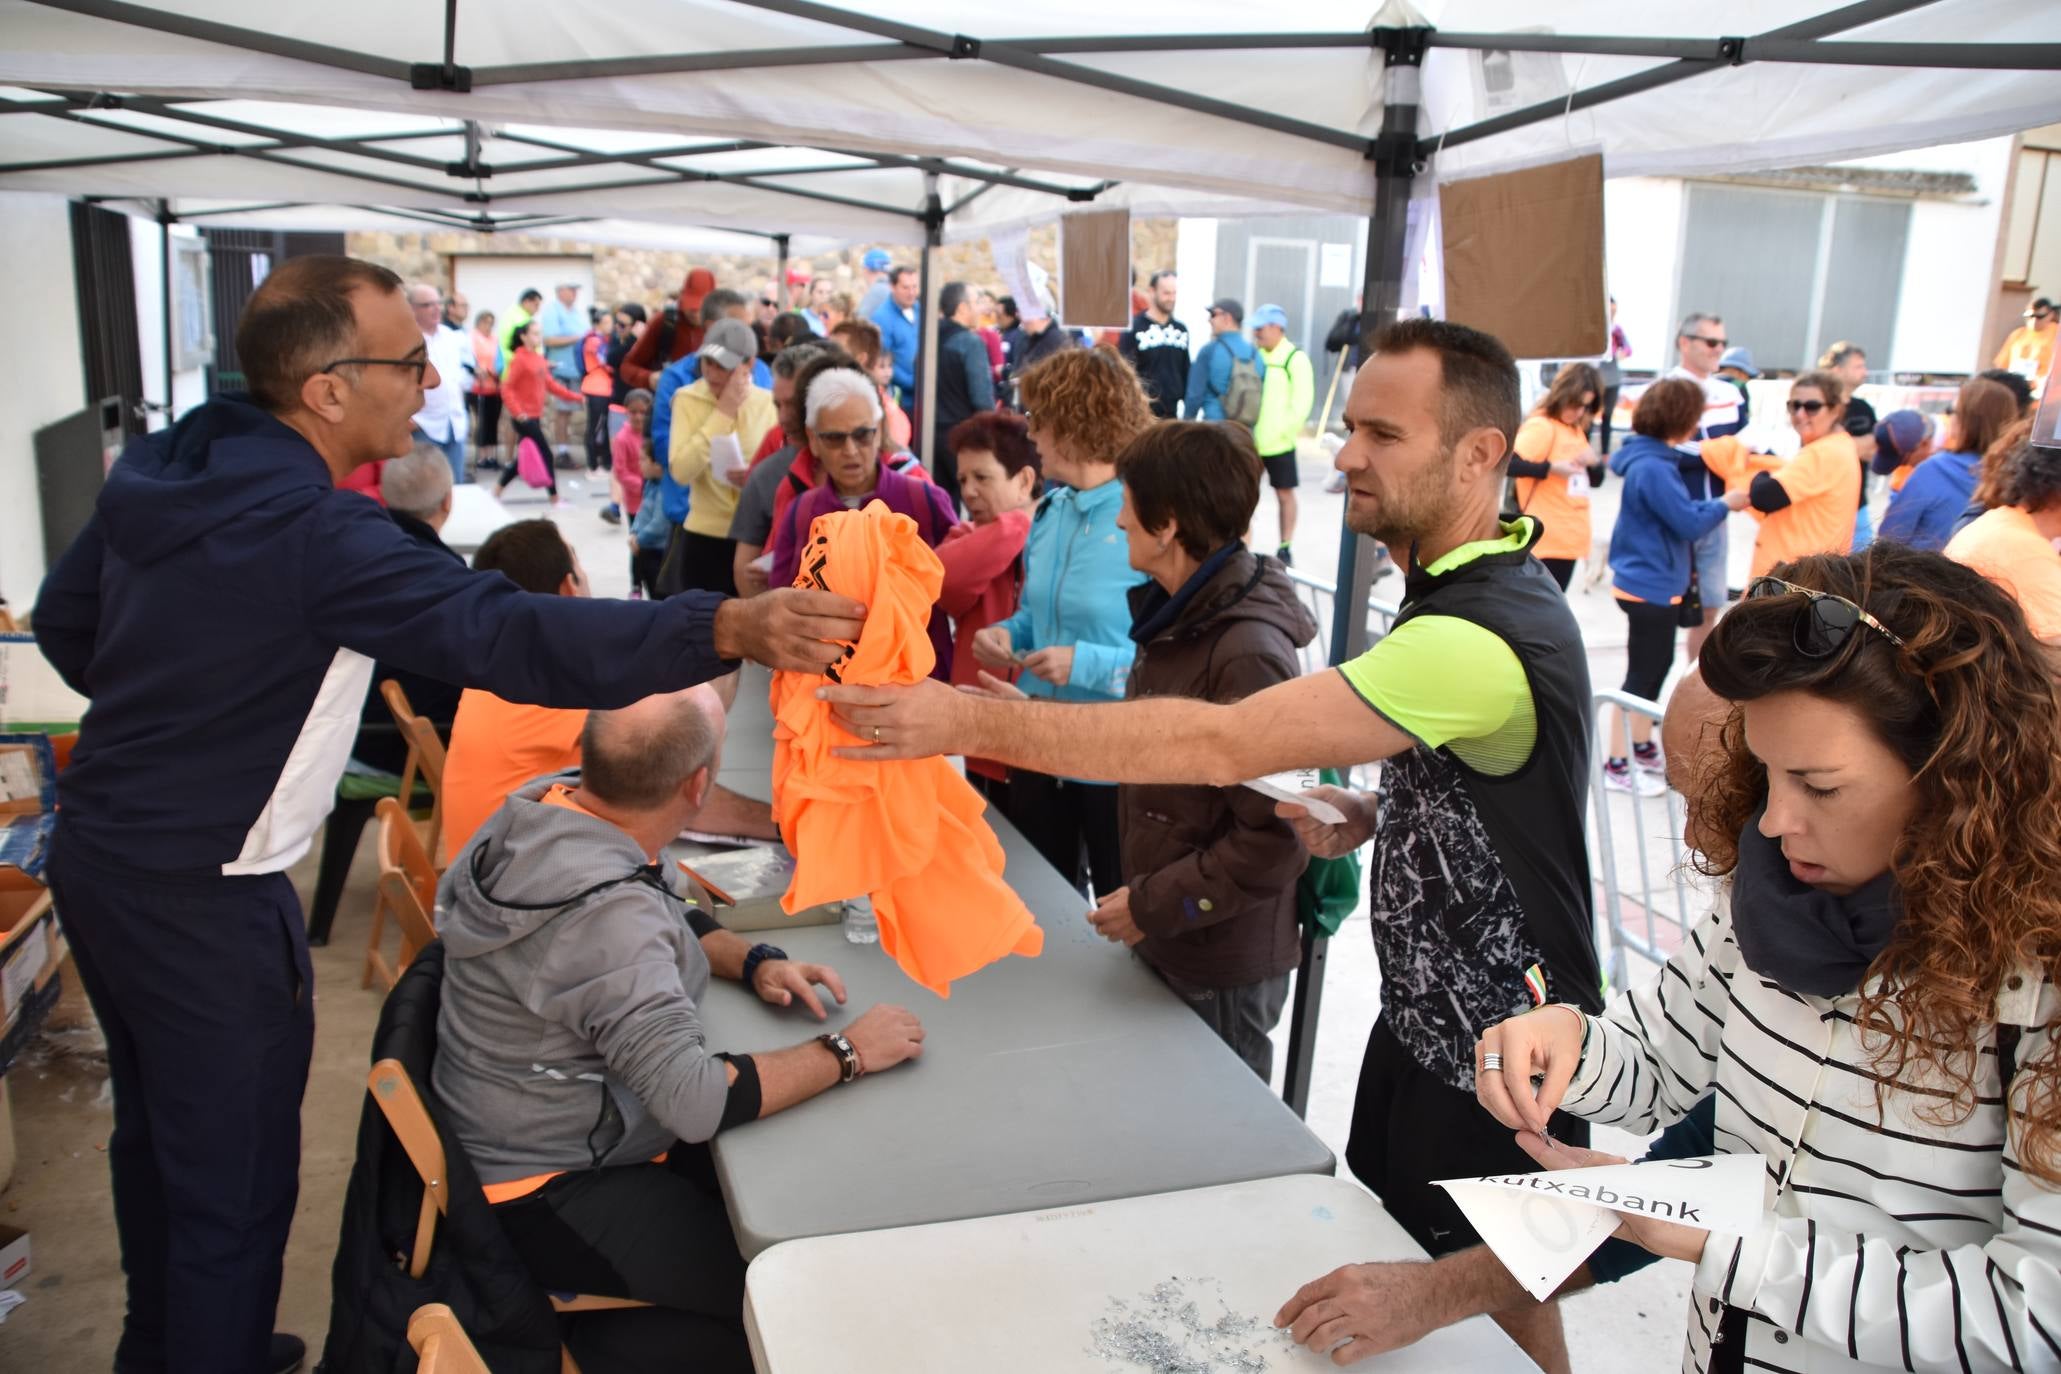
569,1036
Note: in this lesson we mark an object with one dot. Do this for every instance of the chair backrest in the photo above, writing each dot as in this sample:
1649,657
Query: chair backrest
425,754
407,881
441,1345
393,1091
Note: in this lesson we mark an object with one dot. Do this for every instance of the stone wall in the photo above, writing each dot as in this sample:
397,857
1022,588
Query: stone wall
635,274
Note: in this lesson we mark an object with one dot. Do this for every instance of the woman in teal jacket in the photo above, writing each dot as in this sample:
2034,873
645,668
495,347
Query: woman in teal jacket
1071,634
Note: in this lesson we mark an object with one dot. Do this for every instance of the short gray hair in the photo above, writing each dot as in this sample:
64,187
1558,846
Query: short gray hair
836,386
430,287
417,483
1695,318
789,361
639,759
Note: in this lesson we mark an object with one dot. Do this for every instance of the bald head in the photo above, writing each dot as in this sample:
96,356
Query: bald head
1689,740
645,756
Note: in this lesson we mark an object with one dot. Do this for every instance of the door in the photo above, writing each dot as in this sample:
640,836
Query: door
1283,272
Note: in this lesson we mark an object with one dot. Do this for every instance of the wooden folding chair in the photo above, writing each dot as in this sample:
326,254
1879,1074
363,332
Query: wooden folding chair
394,1092
425,755
441,1345
407,888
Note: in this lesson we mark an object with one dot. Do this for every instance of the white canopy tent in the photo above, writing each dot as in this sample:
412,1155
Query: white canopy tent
815,123
784,116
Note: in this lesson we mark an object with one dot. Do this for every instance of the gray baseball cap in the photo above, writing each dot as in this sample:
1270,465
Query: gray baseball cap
729,343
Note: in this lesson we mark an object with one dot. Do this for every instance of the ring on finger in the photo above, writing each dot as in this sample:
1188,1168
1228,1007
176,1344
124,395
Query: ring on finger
876,734
1491,1062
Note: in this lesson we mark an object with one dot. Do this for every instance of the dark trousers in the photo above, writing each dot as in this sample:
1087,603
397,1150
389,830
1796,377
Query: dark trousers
203,987
707,563
1562,570
655,1232
1650,651
1243,1017
486,433
1603,420
1072,824
644,566
531,429
597,433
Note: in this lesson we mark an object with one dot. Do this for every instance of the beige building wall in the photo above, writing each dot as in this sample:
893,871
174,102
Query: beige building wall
634,274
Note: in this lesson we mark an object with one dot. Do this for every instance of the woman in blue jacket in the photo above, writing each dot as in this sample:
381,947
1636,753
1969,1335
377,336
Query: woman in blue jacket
1657,521
1071,634
1924,514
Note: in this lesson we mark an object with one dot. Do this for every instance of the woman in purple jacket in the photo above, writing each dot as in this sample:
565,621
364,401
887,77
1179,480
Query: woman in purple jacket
841,409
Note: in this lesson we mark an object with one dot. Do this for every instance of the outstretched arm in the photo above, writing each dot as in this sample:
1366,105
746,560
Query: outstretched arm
1309,722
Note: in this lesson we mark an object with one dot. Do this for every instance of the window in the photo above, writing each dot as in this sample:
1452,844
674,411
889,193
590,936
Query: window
1793,271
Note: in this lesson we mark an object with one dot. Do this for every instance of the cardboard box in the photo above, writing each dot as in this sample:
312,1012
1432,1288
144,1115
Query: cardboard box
28,809
14,1255
30,952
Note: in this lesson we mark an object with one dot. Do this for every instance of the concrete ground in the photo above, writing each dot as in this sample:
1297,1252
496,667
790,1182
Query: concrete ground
61,1110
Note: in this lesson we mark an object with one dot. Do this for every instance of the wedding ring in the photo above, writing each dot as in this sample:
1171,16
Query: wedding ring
876,734
1491,1062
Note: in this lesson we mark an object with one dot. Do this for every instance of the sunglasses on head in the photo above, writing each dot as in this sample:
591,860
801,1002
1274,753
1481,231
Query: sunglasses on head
1825,622
1805,407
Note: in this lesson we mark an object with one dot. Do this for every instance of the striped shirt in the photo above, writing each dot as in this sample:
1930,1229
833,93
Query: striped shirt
1890,1241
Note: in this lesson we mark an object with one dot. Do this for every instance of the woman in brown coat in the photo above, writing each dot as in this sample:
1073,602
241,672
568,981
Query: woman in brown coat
1209,895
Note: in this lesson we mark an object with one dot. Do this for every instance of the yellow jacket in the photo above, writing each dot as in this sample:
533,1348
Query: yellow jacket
711,500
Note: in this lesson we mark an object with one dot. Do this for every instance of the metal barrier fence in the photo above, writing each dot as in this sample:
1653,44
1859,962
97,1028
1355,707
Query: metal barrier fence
1318,597
1648,929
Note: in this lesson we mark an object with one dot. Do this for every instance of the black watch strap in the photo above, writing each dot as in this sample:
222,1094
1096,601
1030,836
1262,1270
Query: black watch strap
756,955
848,1066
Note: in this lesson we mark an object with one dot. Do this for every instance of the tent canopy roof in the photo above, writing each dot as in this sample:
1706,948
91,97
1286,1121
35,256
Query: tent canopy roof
804,119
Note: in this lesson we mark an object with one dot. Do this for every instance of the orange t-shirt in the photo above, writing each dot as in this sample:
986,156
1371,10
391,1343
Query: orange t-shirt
496,747
2006,547
909,833
1824,486
1561,504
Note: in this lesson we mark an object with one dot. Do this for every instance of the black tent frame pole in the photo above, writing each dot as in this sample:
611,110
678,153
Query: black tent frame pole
165,221
1395,167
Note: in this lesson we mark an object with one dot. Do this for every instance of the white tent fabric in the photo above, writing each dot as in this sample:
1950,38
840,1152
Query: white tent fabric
875,82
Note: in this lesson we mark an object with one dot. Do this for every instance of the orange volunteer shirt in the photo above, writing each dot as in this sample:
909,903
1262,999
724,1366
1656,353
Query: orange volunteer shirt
1561,504
908,833
2007,548
496,747
1824,485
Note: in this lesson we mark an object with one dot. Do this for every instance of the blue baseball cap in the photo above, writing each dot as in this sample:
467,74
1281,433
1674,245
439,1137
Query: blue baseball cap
1269,314
877,260
1741,358
1902,432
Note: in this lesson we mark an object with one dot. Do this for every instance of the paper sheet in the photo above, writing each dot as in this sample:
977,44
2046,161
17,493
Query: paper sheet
726,457
1541,1226
1292,787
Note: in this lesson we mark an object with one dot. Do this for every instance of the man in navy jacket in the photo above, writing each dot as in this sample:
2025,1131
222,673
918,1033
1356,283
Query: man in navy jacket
222,611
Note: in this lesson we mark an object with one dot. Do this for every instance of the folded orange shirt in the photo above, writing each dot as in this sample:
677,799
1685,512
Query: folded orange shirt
909,834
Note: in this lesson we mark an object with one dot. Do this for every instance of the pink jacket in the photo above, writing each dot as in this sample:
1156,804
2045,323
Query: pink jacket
627,453
983,581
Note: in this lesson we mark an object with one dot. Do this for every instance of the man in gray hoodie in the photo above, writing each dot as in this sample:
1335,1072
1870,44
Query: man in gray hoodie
571,1056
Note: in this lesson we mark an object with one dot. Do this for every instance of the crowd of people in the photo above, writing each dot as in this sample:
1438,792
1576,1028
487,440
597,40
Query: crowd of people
1867,740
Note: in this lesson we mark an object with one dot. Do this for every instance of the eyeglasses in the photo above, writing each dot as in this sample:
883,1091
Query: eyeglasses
856,438
1827,621
1805,407
1706,341
420,364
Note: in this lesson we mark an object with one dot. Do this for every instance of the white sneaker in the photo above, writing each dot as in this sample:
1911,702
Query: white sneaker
1639,782
1654,763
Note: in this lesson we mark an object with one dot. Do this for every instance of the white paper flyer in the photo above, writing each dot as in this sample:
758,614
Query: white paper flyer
1541,1226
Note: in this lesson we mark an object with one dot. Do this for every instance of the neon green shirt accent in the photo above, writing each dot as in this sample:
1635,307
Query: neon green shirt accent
1449,682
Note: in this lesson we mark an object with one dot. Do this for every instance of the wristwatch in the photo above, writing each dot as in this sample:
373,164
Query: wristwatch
848,1064
756,955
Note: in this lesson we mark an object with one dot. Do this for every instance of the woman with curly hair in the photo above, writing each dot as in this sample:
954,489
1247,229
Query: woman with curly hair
1071,633
1874,998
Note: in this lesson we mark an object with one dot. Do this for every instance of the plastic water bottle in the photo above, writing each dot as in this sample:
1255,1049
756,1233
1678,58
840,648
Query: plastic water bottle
861,927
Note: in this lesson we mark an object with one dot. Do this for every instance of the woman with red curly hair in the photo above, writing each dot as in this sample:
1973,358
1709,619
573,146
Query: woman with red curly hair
1874,999
1071,634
